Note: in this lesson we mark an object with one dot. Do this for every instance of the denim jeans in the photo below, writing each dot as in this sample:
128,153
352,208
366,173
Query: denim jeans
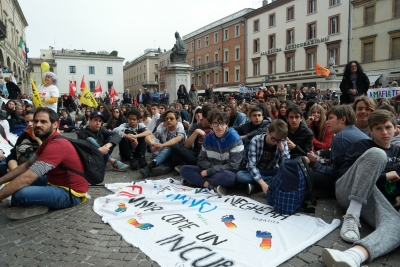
94,143
244,177
41,193
162,155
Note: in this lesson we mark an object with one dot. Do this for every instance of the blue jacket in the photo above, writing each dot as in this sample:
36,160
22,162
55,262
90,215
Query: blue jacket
340,145
219,154
240,119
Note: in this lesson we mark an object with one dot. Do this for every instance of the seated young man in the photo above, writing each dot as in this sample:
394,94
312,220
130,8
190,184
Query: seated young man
299,137
219,158
166,135
341,120
189,151
255,126
40,183
133,146
368,165
103,139
266,152
155,112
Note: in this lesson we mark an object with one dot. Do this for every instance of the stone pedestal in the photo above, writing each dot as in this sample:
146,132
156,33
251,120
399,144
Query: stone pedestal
175,75
332,85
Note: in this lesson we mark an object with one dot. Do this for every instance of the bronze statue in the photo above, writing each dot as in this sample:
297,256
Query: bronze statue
179,51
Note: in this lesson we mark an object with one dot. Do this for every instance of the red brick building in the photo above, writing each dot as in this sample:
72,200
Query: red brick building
217,52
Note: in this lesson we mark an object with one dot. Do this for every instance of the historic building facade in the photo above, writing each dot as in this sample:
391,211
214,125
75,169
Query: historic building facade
376,39
12,34
217,52
142,72
285,38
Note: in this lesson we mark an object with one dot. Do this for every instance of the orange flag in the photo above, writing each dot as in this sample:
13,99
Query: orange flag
321,70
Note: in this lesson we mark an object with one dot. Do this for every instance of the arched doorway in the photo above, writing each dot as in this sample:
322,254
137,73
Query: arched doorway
2,62
8,62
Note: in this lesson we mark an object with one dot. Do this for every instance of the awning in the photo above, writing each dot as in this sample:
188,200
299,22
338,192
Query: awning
373,77
393,76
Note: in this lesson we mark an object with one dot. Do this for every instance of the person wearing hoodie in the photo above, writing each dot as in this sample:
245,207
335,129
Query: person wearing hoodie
299,137
219,158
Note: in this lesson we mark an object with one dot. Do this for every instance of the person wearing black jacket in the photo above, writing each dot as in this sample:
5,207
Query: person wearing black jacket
209,92
67,102
12,88
354,83
299,135
102,138
183,96
12,116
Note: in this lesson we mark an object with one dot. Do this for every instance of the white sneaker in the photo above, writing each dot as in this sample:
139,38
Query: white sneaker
18,213
336,258
349,231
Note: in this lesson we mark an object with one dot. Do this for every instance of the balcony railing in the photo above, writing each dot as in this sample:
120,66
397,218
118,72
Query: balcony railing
149,83
208,66
3,31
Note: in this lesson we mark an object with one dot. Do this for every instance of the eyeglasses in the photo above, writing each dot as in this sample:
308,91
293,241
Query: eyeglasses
216,124
273,139
169,119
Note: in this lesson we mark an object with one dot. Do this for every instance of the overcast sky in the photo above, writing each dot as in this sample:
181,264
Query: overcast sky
128,26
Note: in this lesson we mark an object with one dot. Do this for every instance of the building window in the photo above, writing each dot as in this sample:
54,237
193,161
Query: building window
109,70
208,79
394,45
289,61
334,24
237,30
193,81
271,64
256,46
226,76
199,61
312,6
237,53
256,25
271,39
109,84
156,78
290,13
206,42
215,37
368,55
207,59
334,2
91,70
192,62
92,86
226,34
199,80
156,66
311,61
191,46
198,44
369,15
216,57
72,69
237,75
272,20
226,56
256,66
333,53
290,36
396,8
216,79
311,30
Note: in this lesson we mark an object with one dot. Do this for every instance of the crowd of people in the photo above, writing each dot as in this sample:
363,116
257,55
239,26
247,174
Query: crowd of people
220,143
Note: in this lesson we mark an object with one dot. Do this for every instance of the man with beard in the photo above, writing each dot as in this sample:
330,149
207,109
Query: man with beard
40,184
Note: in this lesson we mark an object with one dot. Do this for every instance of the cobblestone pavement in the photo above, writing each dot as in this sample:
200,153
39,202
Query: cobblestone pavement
78,237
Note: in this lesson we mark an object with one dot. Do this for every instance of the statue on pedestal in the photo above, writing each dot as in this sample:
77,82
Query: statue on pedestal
332,72
179,51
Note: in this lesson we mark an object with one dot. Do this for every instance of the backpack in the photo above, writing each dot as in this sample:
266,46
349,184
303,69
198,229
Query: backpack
92,159
25,151
292,187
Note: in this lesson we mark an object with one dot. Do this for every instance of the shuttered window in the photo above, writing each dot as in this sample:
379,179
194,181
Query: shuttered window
369,15
368,52
396,47
397,8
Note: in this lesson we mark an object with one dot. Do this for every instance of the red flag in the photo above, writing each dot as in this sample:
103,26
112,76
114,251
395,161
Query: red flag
71,88
83,84
113,92
98,90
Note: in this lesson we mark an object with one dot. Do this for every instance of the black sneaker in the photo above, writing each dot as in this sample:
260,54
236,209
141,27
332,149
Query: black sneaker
133,164
161,170
145,172
142,162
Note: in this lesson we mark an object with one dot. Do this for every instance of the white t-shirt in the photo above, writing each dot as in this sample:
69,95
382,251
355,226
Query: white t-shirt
49,91
163,135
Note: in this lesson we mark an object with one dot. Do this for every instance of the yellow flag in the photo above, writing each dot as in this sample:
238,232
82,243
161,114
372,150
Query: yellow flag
87,98
35,94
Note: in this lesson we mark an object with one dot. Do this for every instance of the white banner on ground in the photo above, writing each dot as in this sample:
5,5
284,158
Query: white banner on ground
384,92
178,226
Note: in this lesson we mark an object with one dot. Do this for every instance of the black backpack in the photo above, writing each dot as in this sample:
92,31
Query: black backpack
92,159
